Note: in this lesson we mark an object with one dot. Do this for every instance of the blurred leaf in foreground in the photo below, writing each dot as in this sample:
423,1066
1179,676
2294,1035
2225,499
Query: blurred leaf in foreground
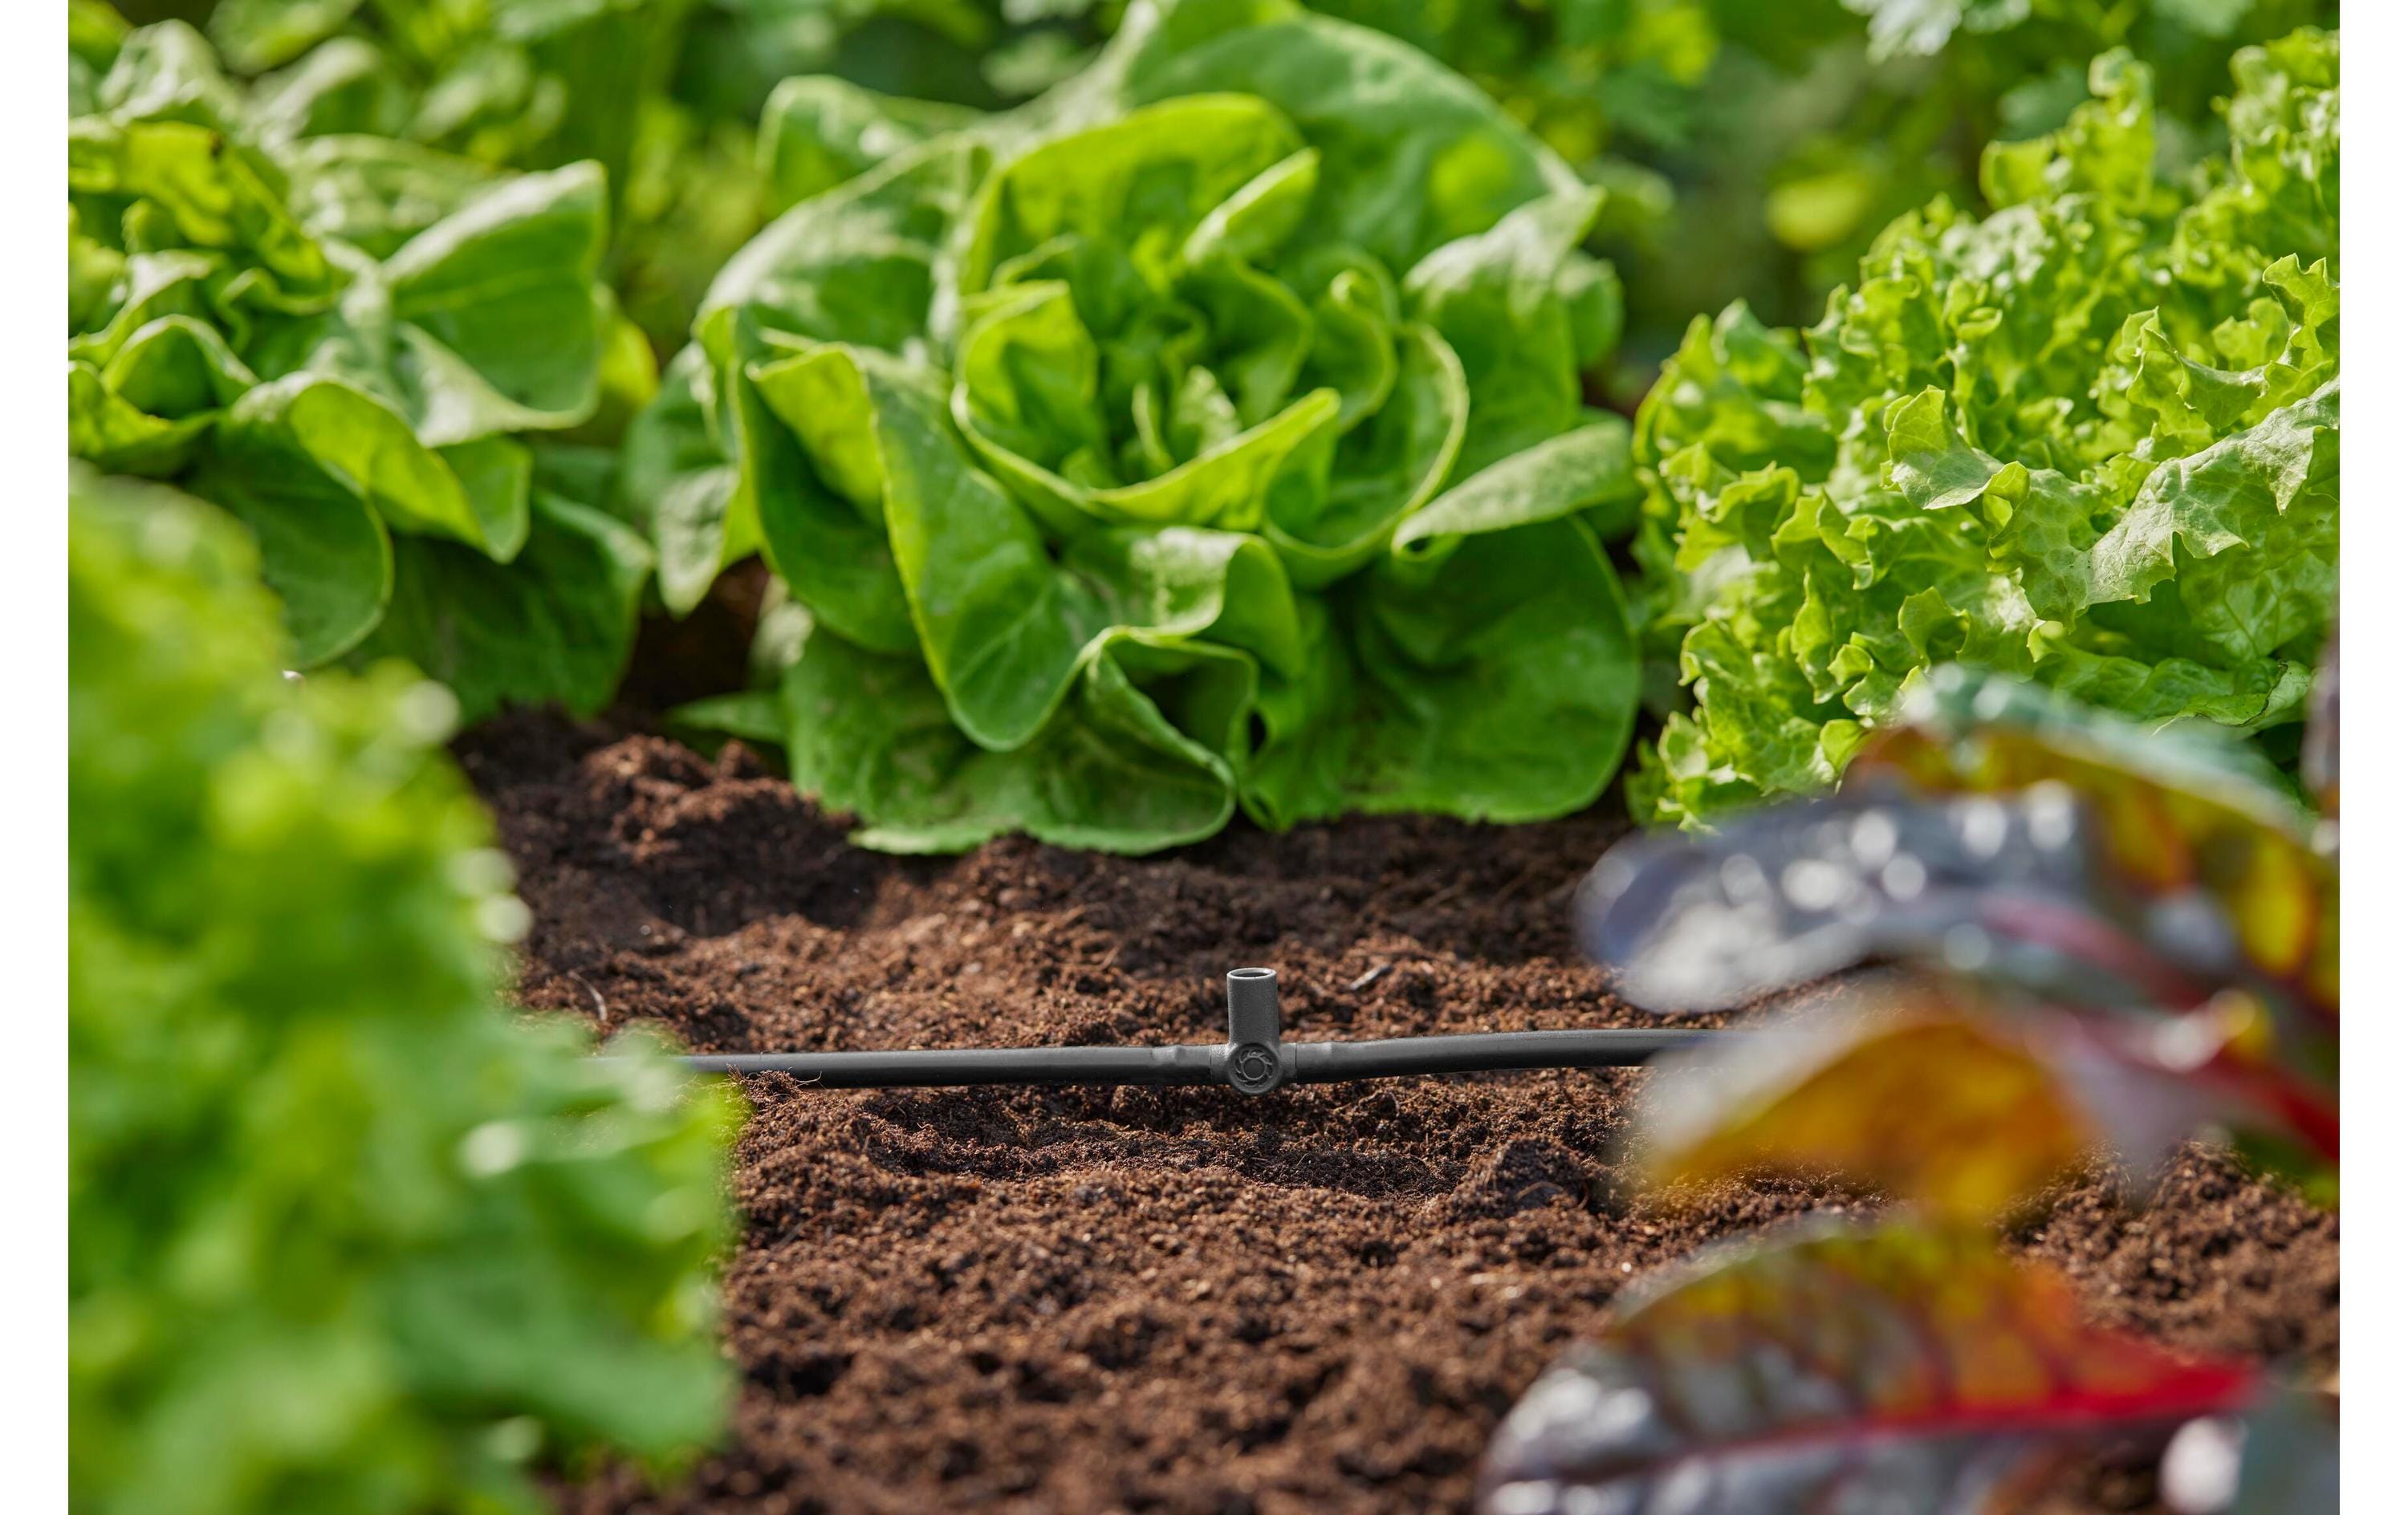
343,1235
1881,1369
2179,811
2283,1457
2007,834
1791,892
2130,940
1967,1108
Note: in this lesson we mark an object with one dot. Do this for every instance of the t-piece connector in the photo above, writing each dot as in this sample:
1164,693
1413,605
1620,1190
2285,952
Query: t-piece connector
1254,1062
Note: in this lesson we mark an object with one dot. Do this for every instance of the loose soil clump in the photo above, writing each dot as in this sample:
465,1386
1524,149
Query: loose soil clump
1182,1300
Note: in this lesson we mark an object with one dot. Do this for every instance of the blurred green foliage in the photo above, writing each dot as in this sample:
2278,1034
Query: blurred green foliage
343,1235
1754,146
1823,121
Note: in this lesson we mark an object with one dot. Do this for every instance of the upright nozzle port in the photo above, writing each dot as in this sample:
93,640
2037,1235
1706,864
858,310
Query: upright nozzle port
1250,1062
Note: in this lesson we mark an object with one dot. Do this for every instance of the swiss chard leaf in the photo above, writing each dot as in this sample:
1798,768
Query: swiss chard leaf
1968,1108
2009,884
2178,815
2163,901
1891,1368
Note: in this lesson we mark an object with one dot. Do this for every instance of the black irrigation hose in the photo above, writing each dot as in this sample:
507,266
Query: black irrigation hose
978,1064
1254,1060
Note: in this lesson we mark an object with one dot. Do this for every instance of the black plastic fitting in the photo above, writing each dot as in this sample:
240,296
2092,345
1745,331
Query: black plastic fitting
1253,1061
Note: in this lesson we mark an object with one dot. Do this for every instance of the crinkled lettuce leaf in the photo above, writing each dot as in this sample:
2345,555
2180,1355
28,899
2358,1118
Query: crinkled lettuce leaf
2092,439
314,1162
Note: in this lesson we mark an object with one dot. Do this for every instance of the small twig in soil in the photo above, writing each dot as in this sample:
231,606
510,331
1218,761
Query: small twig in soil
1365,980
601,1005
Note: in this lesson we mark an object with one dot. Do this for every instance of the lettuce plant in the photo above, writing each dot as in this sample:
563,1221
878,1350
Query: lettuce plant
1828,143
353,350
343,1232
2091,438
1208,433
532,84
663,94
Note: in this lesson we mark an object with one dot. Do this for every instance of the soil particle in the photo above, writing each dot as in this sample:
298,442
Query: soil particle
1178,1300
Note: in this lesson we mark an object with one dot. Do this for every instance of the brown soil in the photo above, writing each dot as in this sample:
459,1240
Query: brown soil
1179,1300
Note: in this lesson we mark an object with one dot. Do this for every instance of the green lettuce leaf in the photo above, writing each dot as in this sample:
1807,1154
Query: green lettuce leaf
347,343
556,624
2091,439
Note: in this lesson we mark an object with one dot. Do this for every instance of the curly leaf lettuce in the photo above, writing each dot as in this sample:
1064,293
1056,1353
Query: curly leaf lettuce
344,1234
360,376
2092,439
1207,436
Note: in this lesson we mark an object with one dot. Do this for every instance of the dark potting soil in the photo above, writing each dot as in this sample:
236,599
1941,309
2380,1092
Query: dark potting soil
1180,1300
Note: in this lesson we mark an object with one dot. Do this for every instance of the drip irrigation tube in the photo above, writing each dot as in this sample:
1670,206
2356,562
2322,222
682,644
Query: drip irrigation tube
1254,1060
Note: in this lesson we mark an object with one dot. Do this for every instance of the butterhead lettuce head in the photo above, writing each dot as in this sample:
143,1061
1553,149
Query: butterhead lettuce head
356,346
1206,435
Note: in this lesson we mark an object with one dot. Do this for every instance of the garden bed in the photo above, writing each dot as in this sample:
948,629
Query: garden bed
1180,1300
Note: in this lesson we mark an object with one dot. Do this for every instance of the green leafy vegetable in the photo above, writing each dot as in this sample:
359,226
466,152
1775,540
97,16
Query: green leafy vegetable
385,103
1208,433
1752,149
1786,132
344,1234
2092,439
663,94
356,352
